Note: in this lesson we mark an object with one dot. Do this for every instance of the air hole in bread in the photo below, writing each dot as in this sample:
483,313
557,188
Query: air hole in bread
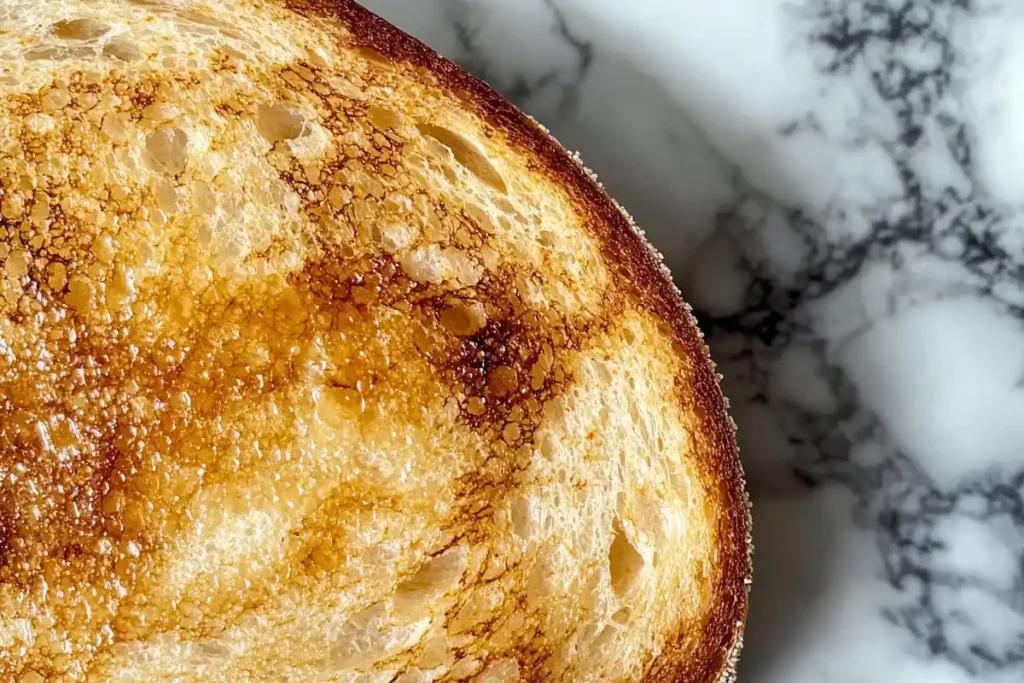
279,122
372,55
502,381
114,127
464,320
166,196
624,561
547,238
437,577
122,48
522,517
80,29
160,111
167,150
54,52
603,642
384,119
205,198
37,53
466,154
56,99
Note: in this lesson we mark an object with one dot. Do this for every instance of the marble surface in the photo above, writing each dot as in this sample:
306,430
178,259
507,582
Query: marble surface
838,186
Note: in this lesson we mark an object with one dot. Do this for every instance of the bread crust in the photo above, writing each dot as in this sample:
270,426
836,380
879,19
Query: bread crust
321,361
634,261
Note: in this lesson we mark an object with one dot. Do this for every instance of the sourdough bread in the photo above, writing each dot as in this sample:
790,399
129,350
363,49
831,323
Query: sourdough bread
319,361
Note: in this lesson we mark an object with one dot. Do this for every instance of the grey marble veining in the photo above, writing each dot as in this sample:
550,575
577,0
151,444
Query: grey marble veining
838,188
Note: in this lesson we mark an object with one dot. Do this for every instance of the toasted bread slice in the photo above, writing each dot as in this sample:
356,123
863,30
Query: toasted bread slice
319,361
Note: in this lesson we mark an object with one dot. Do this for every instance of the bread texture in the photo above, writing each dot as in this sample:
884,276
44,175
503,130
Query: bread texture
319,361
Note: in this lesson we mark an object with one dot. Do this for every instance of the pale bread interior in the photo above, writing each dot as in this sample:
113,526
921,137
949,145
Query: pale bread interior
309,375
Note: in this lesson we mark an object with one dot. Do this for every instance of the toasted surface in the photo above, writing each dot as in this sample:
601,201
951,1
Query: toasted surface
321,362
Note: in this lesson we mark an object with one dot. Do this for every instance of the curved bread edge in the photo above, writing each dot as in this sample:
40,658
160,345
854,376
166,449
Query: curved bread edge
632,259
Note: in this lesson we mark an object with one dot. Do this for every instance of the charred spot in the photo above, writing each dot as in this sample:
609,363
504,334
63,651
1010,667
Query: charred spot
73,551
501,344
495,369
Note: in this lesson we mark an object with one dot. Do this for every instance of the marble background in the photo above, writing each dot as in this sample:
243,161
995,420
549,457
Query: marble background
838,186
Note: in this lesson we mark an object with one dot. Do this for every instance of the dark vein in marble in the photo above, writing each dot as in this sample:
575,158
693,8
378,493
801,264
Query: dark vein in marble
518,87
897,499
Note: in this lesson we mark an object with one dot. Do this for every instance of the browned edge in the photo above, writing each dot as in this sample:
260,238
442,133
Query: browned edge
634,263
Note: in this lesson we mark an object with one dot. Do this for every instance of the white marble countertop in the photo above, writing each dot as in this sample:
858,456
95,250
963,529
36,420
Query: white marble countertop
837,185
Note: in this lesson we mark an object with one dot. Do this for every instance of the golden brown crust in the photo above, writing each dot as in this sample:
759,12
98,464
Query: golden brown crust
319,360
625,250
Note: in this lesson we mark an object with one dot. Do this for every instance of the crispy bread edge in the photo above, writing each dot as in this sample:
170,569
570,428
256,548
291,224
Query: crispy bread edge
632,260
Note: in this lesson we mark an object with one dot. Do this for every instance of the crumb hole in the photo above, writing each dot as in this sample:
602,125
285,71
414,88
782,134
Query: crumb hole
205,198
114,127
372,55
624,561
56,99
383,119
466,154
464,320
80,29
121,48
278,122
604,639
502,381
166,196
37,53
167,150
438,576
522,522
160,111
